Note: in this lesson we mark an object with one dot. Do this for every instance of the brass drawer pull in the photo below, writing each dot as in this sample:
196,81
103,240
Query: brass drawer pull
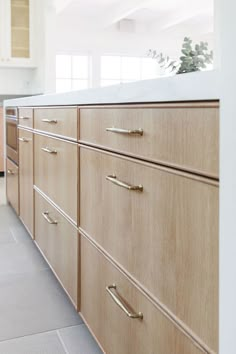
25,140
122,305
125,131
10,172
48,150
48,219
113,179
25,118
50,121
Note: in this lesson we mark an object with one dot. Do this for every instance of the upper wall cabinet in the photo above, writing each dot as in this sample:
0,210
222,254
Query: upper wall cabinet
16,33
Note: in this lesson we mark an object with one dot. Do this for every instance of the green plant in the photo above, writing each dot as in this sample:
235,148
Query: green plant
192,59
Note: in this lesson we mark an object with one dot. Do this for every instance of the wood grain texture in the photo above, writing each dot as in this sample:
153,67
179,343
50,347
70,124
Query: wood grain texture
59,244
66,118
12,183
25,117
56,174
1,141
165,236
185,138
26,179
117,333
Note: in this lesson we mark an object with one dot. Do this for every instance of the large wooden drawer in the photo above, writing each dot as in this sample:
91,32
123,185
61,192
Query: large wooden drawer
58,241
25,117
165,236
178,135
56,170
26,179
12,185
115,331
56,120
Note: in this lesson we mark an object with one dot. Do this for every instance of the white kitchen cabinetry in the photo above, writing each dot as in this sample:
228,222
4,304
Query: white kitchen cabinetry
16,33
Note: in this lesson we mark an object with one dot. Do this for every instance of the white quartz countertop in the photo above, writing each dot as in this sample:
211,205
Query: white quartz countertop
186,87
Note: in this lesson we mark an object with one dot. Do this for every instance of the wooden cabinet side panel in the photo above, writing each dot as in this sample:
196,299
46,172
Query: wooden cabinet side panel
26,179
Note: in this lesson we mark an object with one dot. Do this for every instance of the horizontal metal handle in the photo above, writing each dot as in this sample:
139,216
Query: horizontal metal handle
48,150
130,187
125,131
122,305
25,118
50,121
48,219
10,172
25,140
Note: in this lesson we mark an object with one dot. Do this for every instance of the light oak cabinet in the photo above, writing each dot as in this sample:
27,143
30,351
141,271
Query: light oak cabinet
26,179
126,203
58,241
157,233
183,136
25,117
56,171
57,121
12,175
116,332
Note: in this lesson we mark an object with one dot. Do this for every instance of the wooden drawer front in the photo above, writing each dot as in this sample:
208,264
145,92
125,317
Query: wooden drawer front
165,236
186,138
12,185
59,121
116,332
26,179
59,244
26,117
56,173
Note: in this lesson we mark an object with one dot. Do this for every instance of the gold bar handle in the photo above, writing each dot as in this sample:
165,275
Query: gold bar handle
50,121
25,118
122,305
125,131
48,219
25,140
130,187
10,172
48,150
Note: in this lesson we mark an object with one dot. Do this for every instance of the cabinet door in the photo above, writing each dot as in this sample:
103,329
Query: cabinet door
20,28
26,178
58,241
12,185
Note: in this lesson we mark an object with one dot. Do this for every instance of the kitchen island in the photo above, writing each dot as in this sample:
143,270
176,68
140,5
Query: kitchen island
123,187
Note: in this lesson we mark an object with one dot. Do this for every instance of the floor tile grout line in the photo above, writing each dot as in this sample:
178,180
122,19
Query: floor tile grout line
12,233
43,332
62,342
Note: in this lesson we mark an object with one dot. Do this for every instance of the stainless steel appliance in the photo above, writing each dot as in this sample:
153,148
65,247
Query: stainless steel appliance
11,135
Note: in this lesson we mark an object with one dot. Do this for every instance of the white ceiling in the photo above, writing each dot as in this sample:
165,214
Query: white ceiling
159,14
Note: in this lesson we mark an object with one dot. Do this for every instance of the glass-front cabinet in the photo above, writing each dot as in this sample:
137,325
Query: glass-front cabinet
16,33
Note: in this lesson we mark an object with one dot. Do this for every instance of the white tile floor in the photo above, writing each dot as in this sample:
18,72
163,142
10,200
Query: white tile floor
36,316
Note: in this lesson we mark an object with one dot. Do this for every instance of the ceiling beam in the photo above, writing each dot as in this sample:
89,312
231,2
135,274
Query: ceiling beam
122,11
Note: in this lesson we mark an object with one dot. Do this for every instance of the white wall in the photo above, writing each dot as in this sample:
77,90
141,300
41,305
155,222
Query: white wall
225,15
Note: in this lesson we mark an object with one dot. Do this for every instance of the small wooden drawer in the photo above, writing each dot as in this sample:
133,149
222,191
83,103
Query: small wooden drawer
184,136
12,185
58,241
56,120
25,117
161,227
115,331
56,172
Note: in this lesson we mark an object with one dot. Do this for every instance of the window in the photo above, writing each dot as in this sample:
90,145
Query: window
121,69
72,72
